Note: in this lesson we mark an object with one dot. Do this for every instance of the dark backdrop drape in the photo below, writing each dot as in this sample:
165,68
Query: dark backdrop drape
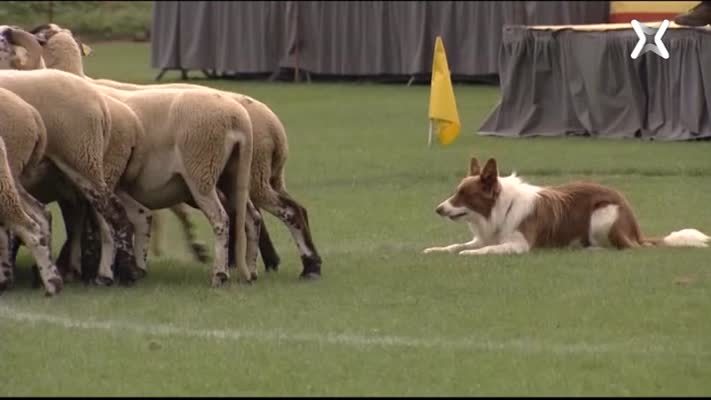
354,38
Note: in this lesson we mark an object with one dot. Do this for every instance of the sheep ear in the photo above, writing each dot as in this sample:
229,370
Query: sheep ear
85,50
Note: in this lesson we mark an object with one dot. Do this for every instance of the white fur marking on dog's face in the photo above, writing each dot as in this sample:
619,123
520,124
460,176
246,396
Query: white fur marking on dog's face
447,210
601,221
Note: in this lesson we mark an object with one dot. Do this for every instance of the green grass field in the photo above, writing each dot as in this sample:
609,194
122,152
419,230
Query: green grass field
386,319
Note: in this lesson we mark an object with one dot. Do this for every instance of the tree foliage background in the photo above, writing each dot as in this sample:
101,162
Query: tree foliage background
99,20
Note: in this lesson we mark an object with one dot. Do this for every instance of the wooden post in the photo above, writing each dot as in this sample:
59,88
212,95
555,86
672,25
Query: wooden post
296,44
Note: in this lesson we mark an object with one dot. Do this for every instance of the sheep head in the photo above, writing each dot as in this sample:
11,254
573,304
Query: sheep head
13,38
45,33
8,56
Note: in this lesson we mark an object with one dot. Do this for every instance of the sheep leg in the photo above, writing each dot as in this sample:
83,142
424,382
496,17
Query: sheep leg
38,212
65,252
42,217
105,274
156,235
210,206
266,247
106,207
295,217
253,225
141,218
18,219
38,244
14,244
69,261
199,250
6,270
263,241
81,252
90,247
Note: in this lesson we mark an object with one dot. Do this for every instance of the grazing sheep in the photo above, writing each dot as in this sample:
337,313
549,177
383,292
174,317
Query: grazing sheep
125,131
195,143
75,148
267,187
78,125
23,141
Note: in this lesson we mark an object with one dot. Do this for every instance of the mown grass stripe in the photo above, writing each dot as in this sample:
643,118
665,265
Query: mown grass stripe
347,339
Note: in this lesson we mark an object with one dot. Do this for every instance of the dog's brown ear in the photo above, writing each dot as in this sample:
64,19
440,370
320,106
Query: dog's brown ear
474,168
490,173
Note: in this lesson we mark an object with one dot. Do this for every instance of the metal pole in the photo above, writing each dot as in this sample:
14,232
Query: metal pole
296,44
429,138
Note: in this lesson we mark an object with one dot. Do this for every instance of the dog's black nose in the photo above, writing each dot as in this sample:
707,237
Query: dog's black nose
440,210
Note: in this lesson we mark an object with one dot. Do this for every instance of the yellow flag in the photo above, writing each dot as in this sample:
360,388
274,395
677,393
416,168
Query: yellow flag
443,107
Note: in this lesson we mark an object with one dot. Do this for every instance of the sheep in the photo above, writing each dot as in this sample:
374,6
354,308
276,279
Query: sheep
75,148
124,133
78,125
267,188
191,159
62,52
23,141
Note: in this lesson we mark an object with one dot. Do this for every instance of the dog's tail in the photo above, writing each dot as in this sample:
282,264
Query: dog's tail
682,238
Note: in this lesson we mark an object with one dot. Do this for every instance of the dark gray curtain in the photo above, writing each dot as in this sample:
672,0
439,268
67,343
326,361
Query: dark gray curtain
585,83
356,38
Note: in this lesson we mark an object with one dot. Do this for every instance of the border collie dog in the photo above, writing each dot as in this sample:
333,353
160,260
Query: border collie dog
508,215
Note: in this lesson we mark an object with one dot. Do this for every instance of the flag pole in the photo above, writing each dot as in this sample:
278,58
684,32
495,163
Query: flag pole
429,137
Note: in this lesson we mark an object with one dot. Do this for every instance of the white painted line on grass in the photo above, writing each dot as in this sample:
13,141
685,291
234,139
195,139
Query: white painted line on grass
279,337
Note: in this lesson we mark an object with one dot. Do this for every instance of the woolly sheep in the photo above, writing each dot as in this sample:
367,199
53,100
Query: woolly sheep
65,55
211,148
125,131
23,141
78,125
267,187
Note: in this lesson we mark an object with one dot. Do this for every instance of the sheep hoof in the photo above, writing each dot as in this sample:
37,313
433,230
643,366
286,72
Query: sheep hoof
311,276
54,286
5,285
128,276
140,273
312,267
253,276
104,281
219,279
200,252
272,265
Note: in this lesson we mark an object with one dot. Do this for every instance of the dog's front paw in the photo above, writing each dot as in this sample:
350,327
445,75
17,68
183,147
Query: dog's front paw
470,253
434,250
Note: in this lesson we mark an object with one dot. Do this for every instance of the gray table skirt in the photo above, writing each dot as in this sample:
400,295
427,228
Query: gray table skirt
557,83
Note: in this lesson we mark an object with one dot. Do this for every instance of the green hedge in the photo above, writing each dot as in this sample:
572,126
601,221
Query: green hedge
99,20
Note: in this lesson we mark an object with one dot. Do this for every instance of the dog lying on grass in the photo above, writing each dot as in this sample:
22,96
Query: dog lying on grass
510,216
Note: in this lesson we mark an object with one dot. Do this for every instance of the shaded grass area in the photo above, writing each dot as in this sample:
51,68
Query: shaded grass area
548,323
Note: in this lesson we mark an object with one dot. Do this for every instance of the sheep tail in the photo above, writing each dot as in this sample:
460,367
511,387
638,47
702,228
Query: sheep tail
280,153
241,172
